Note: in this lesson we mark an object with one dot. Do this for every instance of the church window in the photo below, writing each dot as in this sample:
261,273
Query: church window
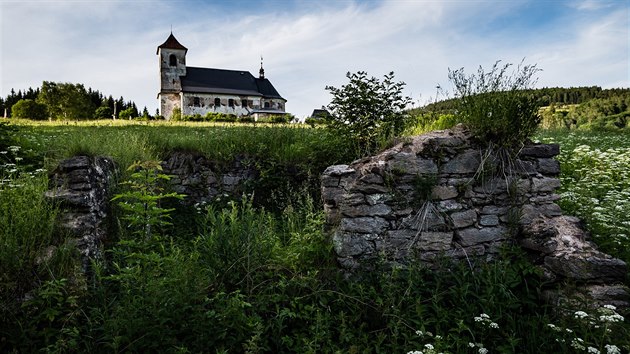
172,60
244,103
266,104
217,102
231,102
196,102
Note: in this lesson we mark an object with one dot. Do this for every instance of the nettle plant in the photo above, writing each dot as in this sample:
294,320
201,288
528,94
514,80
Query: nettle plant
142,202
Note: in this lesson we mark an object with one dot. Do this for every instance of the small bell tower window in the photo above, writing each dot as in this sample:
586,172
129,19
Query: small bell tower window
172,60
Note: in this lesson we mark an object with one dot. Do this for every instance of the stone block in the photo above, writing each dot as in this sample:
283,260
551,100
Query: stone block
465,163
541,150
365,210
378,198
74,163
350,245
338,170
444,192
449,205
473,236
489,220
596,268
371,179
366,225
464,218
434,241
545,184
548,166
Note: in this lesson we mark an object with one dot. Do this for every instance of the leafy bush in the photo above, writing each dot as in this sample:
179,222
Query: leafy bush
29,109
103,112
368,111
494,106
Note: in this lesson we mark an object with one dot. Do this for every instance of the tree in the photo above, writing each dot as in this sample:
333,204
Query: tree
368,111
66,101
29,109
103,112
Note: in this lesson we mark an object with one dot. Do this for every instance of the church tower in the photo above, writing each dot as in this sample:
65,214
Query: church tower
172,62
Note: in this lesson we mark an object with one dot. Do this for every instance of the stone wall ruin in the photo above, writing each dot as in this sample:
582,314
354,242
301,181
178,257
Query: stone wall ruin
442,195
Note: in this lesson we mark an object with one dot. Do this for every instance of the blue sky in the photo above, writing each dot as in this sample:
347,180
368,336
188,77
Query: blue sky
307,45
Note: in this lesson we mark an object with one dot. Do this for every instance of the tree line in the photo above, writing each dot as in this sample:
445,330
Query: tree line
56,100
543,96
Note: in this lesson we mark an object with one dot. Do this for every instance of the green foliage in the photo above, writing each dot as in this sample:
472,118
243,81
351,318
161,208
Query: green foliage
66,100
494,106
29,109
103,112
128,113
368,111
176,114
141,203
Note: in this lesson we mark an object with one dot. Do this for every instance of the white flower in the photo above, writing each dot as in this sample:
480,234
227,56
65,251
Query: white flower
611,318
438,337
580,314
494,325
592,350
612,349
471,345
483,351
428,346
415,352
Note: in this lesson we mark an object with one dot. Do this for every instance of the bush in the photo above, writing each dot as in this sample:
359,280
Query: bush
29,109
103,112
494,106
368,111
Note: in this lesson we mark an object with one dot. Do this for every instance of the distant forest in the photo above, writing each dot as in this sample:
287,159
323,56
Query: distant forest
590,108
545,97
66,101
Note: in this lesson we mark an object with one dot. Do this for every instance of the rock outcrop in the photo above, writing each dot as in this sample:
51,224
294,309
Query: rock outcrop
442,195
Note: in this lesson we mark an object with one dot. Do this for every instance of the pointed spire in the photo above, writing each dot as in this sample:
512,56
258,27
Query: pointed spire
261,72
172,43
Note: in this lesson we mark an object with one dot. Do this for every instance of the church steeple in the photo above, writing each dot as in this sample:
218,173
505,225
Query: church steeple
261,72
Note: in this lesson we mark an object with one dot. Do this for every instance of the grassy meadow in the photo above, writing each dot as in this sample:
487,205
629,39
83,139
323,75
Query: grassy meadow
259,276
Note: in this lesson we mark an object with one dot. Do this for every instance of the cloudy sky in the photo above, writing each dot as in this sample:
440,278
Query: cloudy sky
308,44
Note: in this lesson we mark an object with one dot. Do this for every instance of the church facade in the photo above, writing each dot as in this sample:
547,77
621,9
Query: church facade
201,90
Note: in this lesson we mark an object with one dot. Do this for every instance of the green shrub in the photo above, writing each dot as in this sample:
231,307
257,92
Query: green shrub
494,105
29,109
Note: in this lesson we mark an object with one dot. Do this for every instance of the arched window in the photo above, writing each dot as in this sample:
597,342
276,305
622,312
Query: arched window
172,60
231,102
244,103
217,102
266,104
196,102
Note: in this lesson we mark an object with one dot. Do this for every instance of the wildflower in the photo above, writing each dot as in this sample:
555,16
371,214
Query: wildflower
592,350
471,345
429,346
438,337
4,152
18,159
612,349
494,325
419,333
483,351
14,148
415,352
611,318
580,314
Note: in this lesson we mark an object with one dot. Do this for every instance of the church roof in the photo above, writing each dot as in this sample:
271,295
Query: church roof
234,82
171,43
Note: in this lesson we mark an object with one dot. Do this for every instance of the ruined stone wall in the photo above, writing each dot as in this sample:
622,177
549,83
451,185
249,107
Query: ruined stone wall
442,195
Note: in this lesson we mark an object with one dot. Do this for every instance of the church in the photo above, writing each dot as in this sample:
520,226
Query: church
201,90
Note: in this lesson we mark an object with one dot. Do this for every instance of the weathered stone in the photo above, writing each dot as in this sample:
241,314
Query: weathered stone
494,210
473,236
434,241
545,184
347,244
531,212
464,218
596,268
549,167
545,199
365,210
370,188
366,225
489,220
444,192
465,163
371,179
378,198
338,170
74,163
449,205
540,150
